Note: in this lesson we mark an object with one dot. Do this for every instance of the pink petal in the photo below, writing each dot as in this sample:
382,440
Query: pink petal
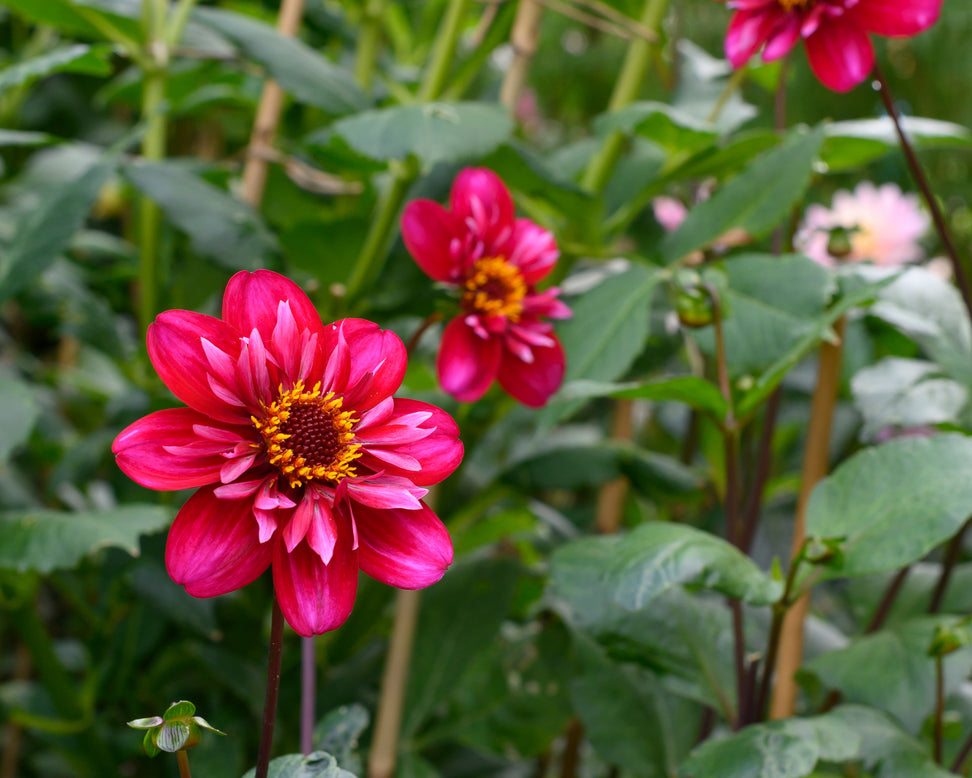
140,450
482,204
467,364
376,362
408,549
175,347
840,54
429,230
748,31
213,546
315,597
384,491
533,383
251,301
782,39
897,18
533,250
440,453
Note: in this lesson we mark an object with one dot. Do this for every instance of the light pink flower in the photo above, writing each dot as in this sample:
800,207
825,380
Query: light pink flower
881,225
836,33
305,461
494,261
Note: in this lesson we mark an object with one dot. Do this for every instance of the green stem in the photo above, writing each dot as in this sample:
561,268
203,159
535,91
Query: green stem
178,21
626,89
443,51
183,758
369,36
939,732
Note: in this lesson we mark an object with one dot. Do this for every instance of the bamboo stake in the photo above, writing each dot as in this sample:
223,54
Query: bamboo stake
610,498
268,115
815,465
526,32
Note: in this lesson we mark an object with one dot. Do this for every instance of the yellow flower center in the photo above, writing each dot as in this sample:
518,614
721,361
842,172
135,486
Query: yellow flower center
494,287
308,437
789,5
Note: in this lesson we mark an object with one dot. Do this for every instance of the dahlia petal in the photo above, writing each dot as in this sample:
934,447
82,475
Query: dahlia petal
748,30
378,366
533,250
429,231
408,549
266,523
300,520
175,346
376,415
897,18
782,39
385,491
213,546
251,302
322,534
533,383
480,200
438,454
158,451
315,597
384,460
234,468
840,54
237,490
467,364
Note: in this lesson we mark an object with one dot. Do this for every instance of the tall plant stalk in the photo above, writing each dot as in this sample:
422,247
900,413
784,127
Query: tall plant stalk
369,38
273,690
526,32
815,465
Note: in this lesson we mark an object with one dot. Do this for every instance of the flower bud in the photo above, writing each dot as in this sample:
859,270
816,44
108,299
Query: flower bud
178,729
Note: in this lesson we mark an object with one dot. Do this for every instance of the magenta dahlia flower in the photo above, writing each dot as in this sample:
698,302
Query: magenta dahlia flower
307,464
834,32
494,261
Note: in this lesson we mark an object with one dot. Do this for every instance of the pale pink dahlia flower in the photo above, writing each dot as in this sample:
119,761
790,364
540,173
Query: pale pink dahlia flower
875,224
836,33
494,261
306,462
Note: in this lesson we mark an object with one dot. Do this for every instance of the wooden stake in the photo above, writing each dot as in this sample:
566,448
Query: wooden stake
526,32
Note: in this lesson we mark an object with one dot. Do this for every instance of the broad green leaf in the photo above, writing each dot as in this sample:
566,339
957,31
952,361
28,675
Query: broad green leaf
218,225
26,138
76,58
86,18
460,616
789,748
930,311
314,765
339,733
19,412
626,714
771,304
894,503
44,540
852,144
638,566
905,393
45,233
433,132
691,390
662,124
891,670
756,200
567,467
298,69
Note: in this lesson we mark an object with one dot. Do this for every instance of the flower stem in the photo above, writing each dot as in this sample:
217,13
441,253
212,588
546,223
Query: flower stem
962,755
183,758
308,692
815,464
626,89
369,36
384,747
443,51
939,730
884,607
918,173
952,555
273,689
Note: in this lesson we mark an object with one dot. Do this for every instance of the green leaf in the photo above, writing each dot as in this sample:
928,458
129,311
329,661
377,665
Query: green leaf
77,58
756,200
851,144
693,391
75,16
459,617
433,132
669,127
25,138
789,748
640,565
148,723
771,305
45,232
315,765
178,711
894,503
891,670
19,412
905,393
43,540
218,225
298,69
339,733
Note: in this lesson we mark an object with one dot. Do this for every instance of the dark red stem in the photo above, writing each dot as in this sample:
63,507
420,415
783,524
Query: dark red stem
273,689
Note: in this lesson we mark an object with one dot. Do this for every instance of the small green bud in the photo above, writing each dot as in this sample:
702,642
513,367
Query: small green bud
175,730
825,551
949,639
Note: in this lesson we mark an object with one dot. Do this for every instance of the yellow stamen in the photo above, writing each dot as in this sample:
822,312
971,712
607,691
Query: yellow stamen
789,5
494,287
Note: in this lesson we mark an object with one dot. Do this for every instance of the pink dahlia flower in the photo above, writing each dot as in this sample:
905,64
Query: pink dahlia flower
834,32
494,260
305,461
875,224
